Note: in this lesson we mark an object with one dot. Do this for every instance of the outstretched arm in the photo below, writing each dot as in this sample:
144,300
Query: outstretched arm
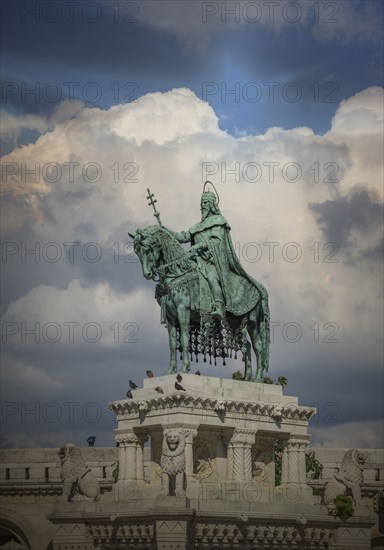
181,236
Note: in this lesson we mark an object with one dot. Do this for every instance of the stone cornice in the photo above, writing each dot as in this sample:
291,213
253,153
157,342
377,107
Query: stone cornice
274,411
50,488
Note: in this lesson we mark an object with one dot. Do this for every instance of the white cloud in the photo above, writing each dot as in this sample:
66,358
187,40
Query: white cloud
168,137
74,317
358,123
12,125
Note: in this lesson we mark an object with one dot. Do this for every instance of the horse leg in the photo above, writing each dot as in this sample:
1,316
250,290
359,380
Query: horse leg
248,364
257,348
172,335
184,315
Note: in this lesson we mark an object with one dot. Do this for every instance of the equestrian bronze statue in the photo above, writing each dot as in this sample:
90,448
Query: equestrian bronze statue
209,304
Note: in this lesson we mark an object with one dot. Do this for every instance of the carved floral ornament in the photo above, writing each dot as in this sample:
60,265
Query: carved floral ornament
127,439
268,410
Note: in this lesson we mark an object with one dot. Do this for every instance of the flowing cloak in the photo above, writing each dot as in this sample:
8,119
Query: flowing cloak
241,292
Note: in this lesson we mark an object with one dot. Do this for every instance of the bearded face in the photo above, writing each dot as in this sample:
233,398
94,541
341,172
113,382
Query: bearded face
205,208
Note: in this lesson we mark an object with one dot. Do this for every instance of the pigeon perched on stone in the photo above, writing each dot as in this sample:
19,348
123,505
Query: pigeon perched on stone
178,387
129,394
159,390
132,385
149,374
198,373
301,519
179,378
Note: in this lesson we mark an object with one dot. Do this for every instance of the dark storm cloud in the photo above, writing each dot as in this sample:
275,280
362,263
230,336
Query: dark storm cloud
359,211
137,49
153,56
341,387
31,256
375,253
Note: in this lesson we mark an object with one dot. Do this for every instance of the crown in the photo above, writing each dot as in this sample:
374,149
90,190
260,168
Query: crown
212,197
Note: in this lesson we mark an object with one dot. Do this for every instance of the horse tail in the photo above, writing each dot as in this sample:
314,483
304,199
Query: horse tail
264,329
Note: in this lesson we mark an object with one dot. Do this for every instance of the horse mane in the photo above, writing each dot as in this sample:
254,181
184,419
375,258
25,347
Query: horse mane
172,250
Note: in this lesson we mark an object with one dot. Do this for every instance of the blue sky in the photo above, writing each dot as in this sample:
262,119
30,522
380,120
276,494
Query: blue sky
185,86
324,62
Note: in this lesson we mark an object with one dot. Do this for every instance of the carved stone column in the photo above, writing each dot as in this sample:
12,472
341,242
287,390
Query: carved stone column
229,460
302,444
142,438
239,455
284,464
131,442
189,435
121,456
128,443
293,467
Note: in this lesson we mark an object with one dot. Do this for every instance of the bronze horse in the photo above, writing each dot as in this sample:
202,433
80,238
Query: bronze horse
177,292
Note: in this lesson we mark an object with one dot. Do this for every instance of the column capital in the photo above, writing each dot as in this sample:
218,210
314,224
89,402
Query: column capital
189,434
243,436
129,438
297,442
142,438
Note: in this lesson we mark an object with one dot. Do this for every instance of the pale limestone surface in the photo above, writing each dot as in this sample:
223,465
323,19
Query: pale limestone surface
229,428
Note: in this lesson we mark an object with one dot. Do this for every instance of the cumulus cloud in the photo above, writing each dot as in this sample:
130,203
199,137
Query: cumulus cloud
286,193
12,125
358,123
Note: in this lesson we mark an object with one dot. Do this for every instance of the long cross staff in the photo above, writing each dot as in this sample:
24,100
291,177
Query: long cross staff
151,202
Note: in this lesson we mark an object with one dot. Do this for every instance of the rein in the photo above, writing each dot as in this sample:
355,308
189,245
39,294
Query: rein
162,270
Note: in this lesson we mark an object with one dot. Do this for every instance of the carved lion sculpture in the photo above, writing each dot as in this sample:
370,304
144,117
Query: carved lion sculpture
349,476
173,463
79,483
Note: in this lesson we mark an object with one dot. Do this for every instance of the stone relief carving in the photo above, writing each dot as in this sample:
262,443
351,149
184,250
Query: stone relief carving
173,463
259,471
349,476
263,460
79,483
203,459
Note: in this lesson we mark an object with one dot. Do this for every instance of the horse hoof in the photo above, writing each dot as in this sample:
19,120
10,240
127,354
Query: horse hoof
171,370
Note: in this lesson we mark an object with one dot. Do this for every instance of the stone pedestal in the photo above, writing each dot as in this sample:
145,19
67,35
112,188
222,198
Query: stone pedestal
228,428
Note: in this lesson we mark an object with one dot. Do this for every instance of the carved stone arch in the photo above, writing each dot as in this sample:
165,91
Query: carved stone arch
17,526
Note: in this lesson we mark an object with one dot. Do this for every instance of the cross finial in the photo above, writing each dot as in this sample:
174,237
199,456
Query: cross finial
151,202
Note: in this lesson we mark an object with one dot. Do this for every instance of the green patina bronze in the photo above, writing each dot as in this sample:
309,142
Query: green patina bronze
208,302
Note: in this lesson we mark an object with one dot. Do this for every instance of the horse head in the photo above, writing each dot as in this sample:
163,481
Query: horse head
147,250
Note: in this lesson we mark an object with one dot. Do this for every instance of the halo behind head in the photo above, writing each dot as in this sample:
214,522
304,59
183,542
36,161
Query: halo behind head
212,197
